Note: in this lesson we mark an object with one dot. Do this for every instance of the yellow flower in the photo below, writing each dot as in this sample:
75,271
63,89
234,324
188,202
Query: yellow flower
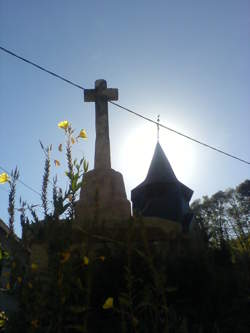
34,323
60,147
19,279
63,124
109,303
57,163
102,258
85,260
65,257
73,141
3,319
4,178
34,266
82,134
8,286
30,285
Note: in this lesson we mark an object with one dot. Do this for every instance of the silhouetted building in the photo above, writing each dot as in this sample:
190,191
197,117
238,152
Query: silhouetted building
161,194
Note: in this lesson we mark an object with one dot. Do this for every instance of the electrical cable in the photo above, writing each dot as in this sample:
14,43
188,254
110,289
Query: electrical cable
21,182
179,133
126,109
41,68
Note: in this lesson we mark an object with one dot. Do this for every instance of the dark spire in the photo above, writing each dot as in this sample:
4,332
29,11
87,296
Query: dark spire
160,169
161,194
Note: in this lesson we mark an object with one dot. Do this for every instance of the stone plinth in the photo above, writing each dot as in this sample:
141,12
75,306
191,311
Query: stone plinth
103,197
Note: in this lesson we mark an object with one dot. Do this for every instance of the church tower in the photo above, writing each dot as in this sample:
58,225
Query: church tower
161,194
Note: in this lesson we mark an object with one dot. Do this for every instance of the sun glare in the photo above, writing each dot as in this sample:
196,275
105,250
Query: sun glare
139,148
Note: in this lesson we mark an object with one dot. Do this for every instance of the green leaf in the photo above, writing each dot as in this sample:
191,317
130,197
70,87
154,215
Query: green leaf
2,323
5,255
78,186
85,166
74,182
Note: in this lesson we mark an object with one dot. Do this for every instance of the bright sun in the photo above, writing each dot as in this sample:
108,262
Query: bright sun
139,148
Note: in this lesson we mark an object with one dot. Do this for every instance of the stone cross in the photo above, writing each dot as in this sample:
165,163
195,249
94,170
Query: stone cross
101,95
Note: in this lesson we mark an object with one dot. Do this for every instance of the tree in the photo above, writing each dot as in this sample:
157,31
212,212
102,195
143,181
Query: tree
225,216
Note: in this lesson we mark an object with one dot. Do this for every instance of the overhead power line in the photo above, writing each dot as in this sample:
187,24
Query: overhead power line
179,133
126,109
41,68
21,182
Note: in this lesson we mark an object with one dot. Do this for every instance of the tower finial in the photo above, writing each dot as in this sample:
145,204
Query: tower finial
158,127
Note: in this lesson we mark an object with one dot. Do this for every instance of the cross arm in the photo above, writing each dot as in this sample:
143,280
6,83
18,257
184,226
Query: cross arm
109,94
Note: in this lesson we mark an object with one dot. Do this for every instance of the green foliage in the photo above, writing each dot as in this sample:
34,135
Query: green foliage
63,203
74,175
83,277
47,165
171,286
3,320
12,194
223,218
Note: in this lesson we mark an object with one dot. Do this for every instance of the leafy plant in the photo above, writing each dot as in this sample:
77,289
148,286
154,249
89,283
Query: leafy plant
47,165
76,277
12,195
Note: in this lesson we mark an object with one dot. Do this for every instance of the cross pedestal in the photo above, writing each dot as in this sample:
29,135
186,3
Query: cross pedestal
103,195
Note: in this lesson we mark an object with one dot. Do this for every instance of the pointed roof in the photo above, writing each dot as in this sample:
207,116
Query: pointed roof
161,194
160,170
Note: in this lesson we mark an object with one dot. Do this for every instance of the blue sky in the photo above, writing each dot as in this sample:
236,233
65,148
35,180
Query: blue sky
185,60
